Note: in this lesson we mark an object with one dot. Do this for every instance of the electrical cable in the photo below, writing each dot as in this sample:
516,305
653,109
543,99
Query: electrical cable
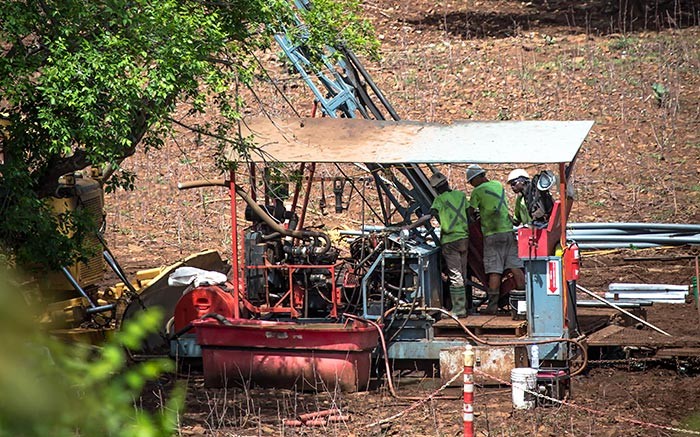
218,317
398,299
415,301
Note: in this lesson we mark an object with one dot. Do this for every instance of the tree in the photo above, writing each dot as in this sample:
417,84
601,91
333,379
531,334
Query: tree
86,82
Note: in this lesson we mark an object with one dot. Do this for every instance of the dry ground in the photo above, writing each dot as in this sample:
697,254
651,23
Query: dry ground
485,60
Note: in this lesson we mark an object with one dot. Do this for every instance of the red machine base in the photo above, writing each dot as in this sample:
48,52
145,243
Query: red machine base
319,356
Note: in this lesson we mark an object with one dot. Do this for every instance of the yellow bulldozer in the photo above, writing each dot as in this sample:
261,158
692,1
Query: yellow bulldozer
79,303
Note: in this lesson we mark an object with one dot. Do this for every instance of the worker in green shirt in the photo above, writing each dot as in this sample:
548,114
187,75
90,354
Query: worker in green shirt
450,209
500,246
516,180
533,203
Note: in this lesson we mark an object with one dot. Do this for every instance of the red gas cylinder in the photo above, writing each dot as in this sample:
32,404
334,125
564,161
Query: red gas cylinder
572,262
200,301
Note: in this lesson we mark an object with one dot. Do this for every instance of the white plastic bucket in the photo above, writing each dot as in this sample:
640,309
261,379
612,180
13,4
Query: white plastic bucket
523,378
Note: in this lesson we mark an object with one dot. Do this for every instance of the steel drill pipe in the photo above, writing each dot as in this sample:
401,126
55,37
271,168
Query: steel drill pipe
625,312
605,246
675,227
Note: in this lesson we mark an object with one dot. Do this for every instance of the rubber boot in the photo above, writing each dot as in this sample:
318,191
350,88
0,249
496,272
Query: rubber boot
470,300
492,304
459,301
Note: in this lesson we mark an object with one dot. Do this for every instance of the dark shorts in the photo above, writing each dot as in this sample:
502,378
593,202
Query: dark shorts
501,253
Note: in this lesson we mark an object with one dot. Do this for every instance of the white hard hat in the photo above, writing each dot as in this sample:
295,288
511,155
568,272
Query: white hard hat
517,173
473,171
437,179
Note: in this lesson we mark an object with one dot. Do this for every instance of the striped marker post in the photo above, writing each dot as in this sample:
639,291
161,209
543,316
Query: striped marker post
469,391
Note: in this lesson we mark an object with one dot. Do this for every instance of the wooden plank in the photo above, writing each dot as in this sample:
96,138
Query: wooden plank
504,322
592,319
625,336
678,352
495,326
469,321
601,337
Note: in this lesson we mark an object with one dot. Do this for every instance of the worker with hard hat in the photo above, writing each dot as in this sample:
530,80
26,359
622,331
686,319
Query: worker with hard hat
533,203
500,246
450,209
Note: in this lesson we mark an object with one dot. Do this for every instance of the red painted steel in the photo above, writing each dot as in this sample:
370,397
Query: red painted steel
234,241
533,242
314,356
295,293
562,240
203,300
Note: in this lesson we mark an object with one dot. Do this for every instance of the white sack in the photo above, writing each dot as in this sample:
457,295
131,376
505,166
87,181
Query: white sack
188,275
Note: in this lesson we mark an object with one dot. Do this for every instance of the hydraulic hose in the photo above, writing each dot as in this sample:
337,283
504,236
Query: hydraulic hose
276,227
188,327
415,301
577,343
389,379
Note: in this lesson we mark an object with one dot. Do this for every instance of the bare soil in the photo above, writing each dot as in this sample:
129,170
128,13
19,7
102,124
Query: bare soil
485,60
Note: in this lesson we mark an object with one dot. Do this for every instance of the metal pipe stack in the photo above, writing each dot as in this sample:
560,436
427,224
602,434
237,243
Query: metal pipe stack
593,236
665,293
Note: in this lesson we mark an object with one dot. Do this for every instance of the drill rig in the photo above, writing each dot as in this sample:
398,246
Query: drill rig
298,310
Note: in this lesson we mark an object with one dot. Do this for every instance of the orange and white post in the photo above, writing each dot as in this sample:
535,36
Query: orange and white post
469,391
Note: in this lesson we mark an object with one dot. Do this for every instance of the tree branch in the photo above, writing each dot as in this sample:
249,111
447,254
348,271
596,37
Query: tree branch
56,168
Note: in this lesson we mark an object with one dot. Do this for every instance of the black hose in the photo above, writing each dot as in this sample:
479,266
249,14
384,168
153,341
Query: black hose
260,212
406,319
279,228
181,332
398,299
218,317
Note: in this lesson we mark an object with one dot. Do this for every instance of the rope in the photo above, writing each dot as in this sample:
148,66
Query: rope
592,410
416,404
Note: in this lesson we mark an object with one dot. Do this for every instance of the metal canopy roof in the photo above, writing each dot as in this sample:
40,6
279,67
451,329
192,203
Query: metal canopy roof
395,142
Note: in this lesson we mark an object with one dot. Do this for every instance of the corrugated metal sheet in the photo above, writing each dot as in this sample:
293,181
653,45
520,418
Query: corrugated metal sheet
395,142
